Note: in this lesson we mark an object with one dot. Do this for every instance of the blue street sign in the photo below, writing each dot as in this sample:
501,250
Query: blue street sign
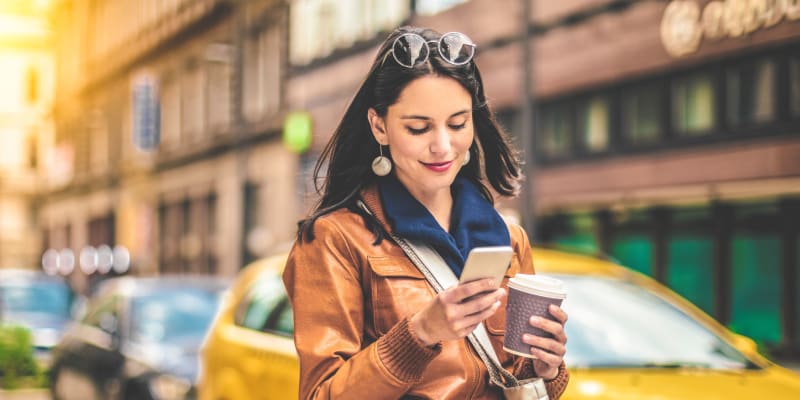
146,114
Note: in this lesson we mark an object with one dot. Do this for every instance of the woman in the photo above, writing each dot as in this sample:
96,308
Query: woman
412,148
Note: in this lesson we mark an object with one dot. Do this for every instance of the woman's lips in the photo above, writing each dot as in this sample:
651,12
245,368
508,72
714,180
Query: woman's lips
438,167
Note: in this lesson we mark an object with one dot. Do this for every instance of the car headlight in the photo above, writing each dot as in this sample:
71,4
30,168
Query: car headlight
165,387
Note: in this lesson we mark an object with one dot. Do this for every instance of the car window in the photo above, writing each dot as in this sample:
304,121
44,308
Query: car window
175,315
281,320
262,300
615,323
36,297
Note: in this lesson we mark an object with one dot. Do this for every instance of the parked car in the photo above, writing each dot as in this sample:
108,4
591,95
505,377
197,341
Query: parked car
138,340
629,338
39,302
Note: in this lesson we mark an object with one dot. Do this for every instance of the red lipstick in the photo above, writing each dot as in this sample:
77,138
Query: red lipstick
438,167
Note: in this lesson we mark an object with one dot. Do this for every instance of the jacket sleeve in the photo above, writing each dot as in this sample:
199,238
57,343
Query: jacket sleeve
323,282
523,366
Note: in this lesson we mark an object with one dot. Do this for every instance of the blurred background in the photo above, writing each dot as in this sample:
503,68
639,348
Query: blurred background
154,137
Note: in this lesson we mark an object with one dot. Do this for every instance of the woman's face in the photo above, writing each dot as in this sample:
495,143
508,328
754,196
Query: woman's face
428,130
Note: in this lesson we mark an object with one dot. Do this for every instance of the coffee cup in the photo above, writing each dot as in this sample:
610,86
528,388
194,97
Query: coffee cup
529,295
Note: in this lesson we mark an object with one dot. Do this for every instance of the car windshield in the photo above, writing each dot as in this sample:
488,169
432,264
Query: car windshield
35,297
618,324
174,316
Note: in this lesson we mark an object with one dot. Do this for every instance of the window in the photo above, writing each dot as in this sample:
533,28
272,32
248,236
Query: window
171,113
690,258
262,75
593,123
756,260
794,82
219,95
192,102
263,307
751,93
556,130
430,7
320,27
641,114
32,87
693,104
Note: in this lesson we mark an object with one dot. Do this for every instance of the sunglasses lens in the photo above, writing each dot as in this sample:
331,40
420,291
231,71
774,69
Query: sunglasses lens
456,48
409,50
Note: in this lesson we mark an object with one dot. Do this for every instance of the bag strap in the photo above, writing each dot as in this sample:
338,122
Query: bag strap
440,276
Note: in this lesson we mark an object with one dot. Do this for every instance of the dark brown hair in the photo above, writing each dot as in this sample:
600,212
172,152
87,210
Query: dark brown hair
350,151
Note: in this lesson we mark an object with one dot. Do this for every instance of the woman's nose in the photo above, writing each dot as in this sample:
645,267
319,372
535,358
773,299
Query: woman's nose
440,141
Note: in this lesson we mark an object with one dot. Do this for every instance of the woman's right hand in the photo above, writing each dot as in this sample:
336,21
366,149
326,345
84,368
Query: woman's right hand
454,313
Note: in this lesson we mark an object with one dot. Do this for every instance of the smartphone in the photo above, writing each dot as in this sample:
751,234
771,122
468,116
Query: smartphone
487,262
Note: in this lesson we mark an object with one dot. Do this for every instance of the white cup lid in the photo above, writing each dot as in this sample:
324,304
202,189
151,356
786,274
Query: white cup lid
539,284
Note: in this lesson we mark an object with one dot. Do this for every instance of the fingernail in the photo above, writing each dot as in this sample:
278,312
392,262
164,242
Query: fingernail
526,337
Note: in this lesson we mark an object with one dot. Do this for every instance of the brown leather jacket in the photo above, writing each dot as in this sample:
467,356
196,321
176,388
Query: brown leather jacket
352,300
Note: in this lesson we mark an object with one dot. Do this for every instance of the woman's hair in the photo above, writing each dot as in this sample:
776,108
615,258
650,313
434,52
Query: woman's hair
350,151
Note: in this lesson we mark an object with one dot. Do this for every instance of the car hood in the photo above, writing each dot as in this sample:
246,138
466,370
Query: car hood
684,384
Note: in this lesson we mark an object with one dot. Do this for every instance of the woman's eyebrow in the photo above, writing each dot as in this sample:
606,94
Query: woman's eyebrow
426,118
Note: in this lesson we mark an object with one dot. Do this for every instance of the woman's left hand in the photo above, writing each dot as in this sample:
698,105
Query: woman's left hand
549,353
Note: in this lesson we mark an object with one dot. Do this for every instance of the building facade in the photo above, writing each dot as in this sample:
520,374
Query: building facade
26,126
666,134
168,114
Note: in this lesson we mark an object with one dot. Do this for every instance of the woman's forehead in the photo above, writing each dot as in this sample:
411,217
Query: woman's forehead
432,96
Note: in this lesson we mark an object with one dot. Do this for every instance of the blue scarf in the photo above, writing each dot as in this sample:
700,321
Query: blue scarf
473,221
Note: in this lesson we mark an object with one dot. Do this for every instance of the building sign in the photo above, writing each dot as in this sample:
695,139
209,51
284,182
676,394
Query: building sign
298,131
685,23
146,113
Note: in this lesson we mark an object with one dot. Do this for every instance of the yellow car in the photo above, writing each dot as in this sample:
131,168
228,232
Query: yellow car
629,338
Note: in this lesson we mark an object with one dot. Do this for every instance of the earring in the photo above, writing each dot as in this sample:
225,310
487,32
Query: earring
381,165
466,158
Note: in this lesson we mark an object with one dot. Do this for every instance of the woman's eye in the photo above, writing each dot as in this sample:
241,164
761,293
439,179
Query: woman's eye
417,131
457,127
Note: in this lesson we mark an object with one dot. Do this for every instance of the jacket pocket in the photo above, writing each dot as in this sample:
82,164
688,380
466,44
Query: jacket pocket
398,290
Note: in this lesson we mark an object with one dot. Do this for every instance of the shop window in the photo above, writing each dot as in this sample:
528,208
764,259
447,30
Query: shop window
593,123
693,104
556,131
573,232
690,267
794,83
634,250
641,114
756,308
751,93
797,296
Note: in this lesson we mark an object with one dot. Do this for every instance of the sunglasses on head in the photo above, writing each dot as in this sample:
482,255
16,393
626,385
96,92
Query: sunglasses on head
410,49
